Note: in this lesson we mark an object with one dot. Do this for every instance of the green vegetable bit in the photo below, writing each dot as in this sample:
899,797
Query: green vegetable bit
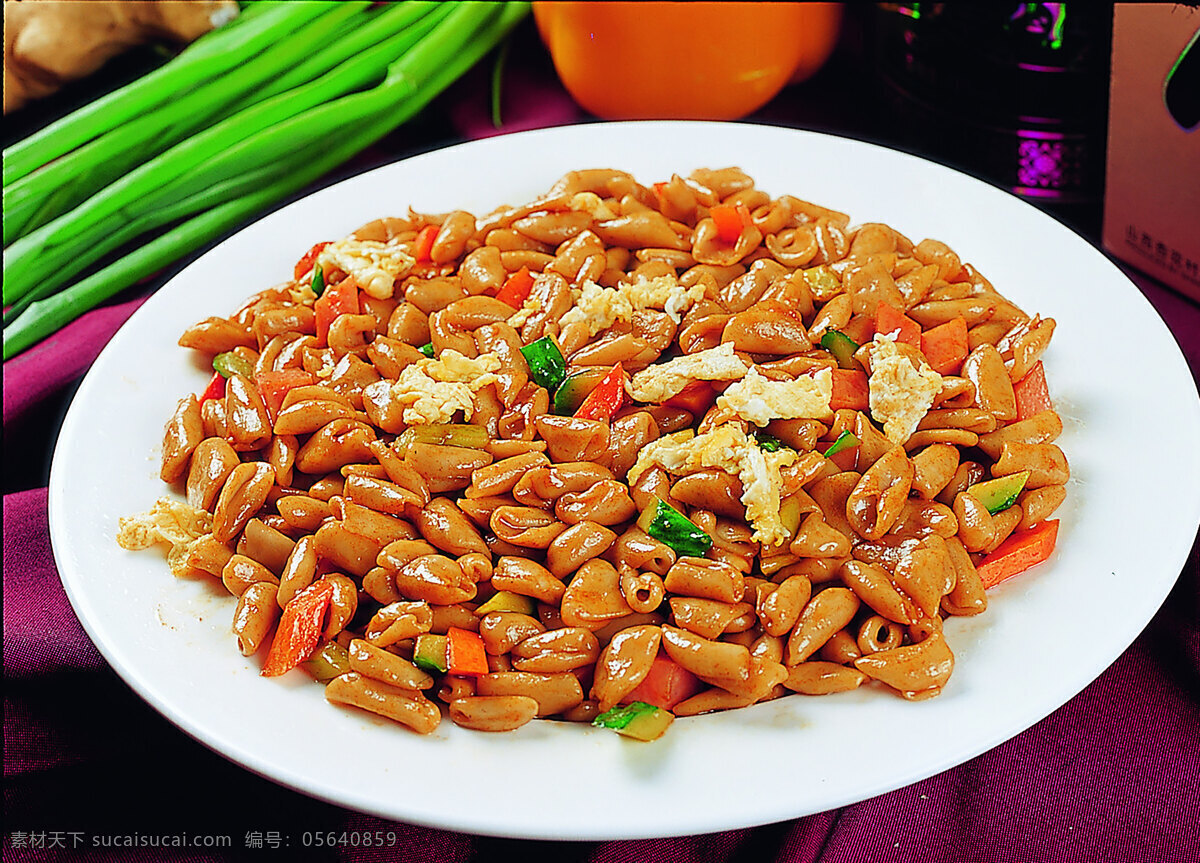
844,441
443,434
768,443
841,346
638,720
546,364
1000,493
318,282
232,363
429,653
328,662
572,391
823,282
667,524
427,349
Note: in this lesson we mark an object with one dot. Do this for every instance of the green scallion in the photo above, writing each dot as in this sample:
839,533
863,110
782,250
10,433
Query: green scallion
767,443
846,440
265,143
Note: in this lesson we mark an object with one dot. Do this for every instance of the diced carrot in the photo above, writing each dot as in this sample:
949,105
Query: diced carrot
1033,396
696,398
425,239
666,685
273,386
340,299
890,321
731,220
728,221
605,398
1018,553
945,346
849,390
215,388
309,259
300,627
465,654
516,288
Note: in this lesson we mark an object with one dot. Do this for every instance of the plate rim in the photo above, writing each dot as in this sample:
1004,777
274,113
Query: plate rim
248,759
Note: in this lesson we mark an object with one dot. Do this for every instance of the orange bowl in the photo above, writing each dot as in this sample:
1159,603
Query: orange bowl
684,60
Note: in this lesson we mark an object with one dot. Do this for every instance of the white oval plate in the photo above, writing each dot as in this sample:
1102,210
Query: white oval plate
1132,421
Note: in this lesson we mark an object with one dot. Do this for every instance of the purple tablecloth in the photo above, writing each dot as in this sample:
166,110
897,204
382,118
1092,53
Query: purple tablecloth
91,772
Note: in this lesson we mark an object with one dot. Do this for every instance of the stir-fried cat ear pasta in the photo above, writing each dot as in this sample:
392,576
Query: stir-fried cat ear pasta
619,454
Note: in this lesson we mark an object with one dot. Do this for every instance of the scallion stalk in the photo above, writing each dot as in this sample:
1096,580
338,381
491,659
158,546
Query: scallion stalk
59,185
442,52
215,53
51,255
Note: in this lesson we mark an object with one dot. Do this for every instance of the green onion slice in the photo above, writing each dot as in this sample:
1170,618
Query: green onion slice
846,440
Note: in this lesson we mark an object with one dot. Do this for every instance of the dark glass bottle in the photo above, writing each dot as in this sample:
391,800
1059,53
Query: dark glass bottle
1014,93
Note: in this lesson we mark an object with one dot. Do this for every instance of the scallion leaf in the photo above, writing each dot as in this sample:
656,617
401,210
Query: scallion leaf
243,162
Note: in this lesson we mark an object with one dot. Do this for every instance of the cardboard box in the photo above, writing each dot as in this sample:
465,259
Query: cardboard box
1152,192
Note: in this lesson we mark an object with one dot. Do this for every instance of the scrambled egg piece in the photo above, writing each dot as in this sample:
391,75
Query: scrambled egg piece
602,307
170,522
900,393
590,202
433,390
759,399
762,491
518,318
727,448
375,266
657,383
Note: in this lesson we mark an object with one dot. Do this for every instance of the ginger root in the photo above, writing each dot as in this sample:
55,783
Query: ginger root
48,43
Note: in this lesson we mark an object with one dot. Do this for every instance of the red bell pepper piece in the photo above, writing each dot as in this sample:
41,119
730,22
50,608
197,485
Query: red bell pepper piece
300,626
465,655
850,390
1033,396
945,346
215,388
606,397
309,260
1018,553
340,299
425,238
731,220
274,385
666,685
516,288
891,322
